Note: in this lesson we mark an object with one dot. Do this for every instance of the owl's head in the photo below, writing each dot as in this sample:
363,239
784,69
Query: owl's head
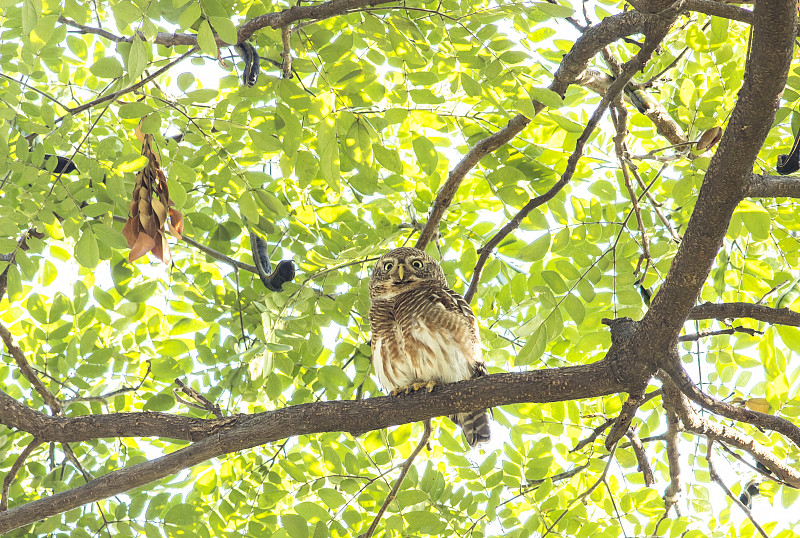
403,269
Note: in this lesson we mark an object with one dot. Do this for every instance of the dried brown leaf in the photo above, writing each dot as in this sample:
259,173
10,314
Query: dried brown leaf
144,244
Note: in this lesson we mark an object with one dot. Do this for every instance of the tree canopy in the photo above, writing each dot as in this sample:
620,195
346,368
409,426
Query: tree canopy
597,178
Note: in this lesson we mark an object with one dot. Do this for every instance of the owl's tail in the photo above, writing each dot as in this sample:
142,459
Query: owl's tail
475,426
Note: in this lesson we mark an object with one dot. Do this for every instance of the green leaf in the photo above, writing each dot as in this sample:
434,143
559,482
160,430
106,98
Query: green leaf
137,58
546,96
205,38
31,9
755,218
427,157
86,250
328,149
225,29
106,67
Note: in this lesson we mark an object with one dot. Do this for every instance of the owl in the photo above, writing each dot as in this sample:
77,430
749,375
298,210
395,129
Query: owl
423,332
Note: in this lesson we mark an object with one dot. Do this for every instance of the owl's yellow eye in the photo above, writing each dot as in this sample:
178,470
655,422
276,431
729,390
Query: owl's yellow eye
388,266
416,264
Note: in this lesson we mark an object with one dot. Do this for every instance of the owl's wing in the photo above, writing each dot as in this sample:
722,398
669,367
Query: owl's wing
457,307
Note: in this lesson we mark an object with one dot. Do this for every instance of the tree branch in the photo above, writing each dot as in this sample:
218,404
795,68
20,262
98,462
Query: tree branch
573,64
728,176
115,95
763,186
12,473
729,435
208,250
721,311
658,28
403,471
27,371
719,9
716,478
240,432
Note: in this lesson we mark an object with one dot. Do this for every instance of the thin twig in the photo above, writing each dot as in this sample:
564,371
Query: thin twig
12,473
206,403
716,478
27,371
586,493
115,95
707,332
208,250
392,494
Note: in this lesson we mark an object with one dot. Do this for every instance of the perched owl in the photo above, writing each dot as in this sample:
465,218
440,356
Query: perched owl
423,332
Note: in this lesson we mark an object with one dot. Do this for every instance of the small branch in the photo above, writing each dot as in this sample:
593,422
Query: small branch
720,9
708,332
633,65
205,402
105,397
623,422
70,454
673,491
12,473
623,157
403,471
586,493
27,371
97,31
716,478
594,435
655,205
210,251
741,414
471,159
286,36
715,431
115,95
37,90
601,428
722,311
641,458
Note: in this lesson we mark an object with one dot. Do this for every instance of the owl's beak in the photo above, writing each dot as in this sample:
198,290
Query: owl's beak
400,271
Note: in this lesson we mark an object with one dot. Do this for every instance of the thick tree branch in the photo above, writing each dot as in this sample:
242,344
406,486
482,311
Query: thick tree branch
726,182
776,316
558,384
763,186
218,437
741,414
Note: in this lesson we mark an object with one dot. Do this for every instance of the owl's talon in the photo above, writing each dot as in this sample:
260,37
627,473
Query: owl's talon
408,389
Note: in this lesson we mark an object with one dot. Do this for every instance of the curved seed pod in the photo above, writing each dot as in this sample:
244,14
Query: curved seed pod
251,63
709,139
273,280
